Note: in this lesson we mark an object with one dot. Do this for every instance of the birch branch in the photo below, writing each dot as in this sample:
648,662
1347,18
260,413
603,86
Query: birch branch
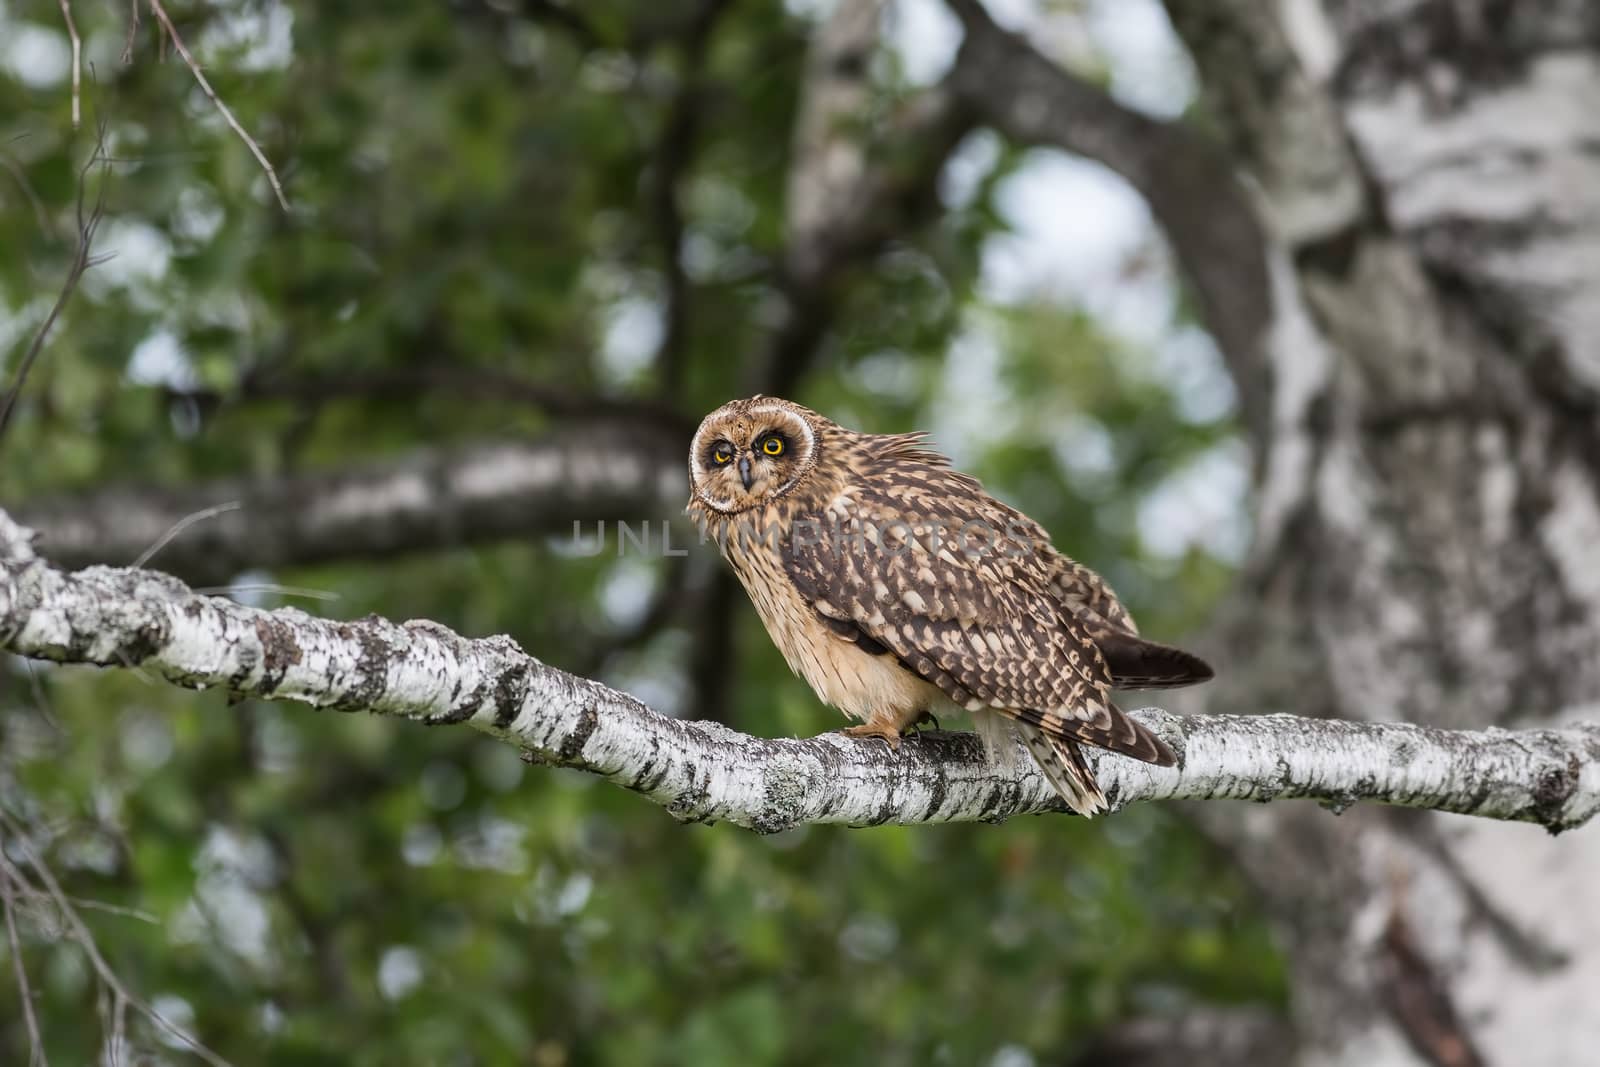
704,772
429,499
1188,182
218,103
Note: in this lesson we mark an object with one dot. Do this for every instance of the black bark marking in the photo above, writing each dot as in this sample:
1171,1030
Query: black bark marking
1334,254
77,649
687,806
885,810
147,640
371,670
572,745
461,707
940,790
1483,53
1552,790
992,810
279,652
1480,795
642,775
1270,791
656,783
510,693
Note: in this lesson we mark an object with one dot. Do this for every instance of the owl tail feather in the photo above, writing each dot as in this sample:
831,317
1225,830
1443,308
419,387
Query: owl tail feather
1061,762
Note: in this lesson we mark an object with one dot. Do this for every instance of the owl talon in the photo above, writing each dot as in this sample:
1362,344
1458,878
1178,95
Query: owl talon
927,718
888,734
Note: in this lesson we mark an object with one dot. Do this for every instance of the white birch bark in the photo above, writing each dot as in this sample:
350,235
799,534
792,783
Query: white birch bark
127,617
1413,339
1430,498
429,499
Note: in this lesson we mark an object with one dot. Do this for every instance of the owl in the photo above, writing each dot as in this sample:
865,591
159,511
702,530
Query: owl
893,583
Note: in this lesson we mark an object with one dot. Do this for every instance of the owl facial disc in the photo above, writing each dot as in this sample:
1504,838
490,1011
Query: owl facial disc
750,452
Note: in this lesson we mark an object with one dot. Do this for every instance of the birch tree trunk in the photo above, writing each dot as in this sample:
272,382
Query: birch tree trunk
1428,543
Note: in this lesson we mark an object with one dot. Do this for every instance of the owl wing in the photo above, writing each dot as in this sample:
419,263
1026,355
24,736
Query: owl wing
1134,662
974,615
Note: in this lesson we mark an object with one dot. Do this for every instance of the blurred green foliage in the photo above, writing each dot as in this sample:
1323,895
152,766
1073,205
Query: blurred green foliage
471,188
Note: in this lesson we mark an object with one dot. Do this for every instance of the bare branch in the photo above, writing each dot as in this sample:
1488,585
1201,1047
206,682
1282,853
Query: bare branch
81,262
429,499
705,772
8,904
275,588
133,32
1189,182
182,525
80,933
227,115
77,63
115,909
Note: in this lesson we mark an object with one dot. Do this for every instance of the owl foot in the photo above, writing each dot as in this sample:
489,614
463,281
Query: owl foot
889,735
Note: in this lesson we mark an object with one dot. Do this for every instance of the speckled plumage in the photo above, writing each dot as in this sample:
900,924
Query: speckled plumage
890,581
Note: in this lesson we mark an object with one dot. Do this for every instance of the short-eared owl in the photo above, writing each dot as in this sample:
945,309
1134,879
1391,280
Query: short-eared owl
890,581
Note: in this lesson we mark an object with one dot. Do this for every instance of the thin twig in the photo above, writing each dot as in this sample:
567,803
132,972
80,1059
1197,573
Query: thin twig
227,115
119,1031
81,262
115,909
77,53
268,587
102,1011
133,32
113,1011
41,700
182,525
85,939
8,901
15,170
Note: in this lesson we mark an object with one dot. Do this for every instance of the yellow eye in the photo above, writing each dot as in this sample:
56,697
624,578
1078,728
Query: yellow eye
773,446
721,455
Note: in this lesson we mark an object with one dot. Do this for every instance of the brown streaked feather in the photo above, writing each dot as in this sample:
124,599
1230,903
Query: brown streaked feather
1033,640
1139,664
910,447
986,629
1116,731
1062,764
1088,596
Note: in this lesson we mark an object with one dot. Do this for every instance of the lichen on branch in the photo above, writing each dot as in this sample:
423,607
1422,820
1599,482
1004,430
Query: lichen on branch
128,617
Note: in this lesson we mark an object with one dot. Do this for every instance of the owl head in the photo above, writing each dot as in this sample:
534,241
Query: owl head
750,452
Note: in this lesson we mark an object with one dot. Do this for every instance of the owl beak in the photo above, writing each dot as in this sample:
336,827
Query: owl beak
745,474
